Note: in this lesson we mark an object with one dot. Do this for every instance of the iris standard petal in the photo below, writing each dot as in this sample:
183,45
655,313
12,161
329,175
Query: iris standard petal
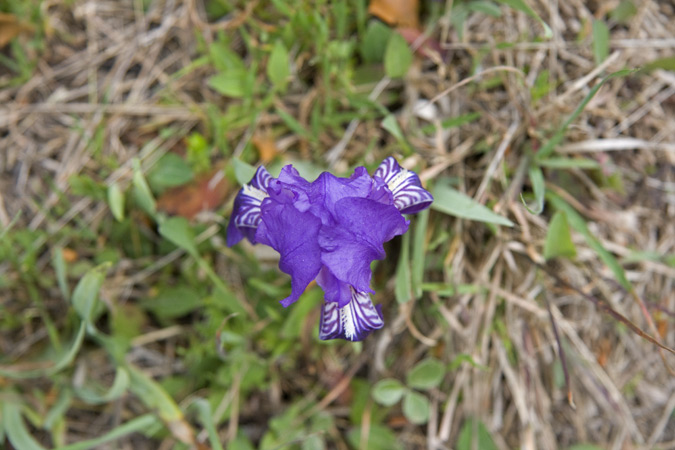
246,210
294,234
409,195
352,322
355,240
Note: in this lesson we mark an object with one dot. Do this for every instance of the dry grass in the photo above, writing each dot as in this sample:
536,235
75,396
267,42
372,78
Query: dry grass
109,68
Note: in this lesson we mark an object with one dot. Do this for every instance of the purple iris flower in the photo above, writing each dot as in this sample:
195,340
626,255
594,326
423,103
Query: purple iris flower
330,230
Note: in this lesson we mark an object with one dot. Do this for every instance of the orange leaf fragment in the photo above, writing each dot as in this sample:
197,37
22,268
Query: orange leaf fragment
10,27
267,147
399,13
206,193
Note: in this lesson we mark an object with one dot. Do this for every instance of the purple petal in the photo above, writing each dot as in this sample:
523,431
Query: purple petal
355,240
409,195
328,190
294,234
336,291
246,210
352,322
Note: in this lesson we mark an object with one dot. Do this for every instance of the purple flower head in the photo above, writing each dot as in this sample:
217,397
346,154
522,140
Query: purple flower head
330,230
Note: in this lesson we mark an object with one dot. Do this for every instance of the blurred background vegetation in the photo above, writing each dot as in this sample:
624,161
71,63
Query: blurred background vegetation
532,307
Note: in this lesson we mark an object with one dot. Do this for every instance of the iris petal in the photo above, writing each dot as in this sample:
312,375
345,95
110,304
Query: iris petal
352,322
294,234
356,239
409,195
246,211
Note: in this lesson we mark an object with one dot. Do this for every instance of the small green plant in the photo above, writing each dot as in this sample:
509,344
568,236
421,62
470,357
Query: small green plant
426,375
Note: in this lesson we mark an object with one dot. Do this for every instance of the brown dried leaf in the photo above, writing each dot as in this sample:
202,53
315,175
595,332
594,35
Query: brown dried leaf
400,13
10,27
205,193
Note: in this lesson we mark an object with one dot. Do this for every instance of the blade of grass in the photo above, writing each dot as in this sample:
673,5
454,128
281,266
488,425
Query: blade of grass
137,425
550,145
418,252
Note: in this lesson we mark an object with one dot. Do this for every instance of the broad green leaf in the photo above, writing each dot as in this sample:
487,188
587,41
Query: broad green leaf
116,201
173,301
232,83
375,41
475,435
416,407
600,41
397,56
450,201
15,427
419,252
278,70
427,374
624,12
558,238
403,287
85,295
224,58
142,191
171,170
521,6
244,172
379,437
178,231
390,124
485,7
388,391
545,151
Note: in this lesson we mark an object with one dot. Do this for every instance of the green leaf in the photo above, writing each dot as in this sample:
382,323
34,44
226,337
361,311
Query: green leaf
17,432
427,374
85,296
419,252
244,172
625,11
138,425
450,201
578,223
206,418
142,191
453,122
485,7
388,391
403,287
171,170
116,201
550,145
397,56
568,163
521,6
118,388
390,124
224,59
278,70
173,301
539,188
232,83
475,435
379,438
178,231
600,41
416,407
558,238
60,270
375,41
156,398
